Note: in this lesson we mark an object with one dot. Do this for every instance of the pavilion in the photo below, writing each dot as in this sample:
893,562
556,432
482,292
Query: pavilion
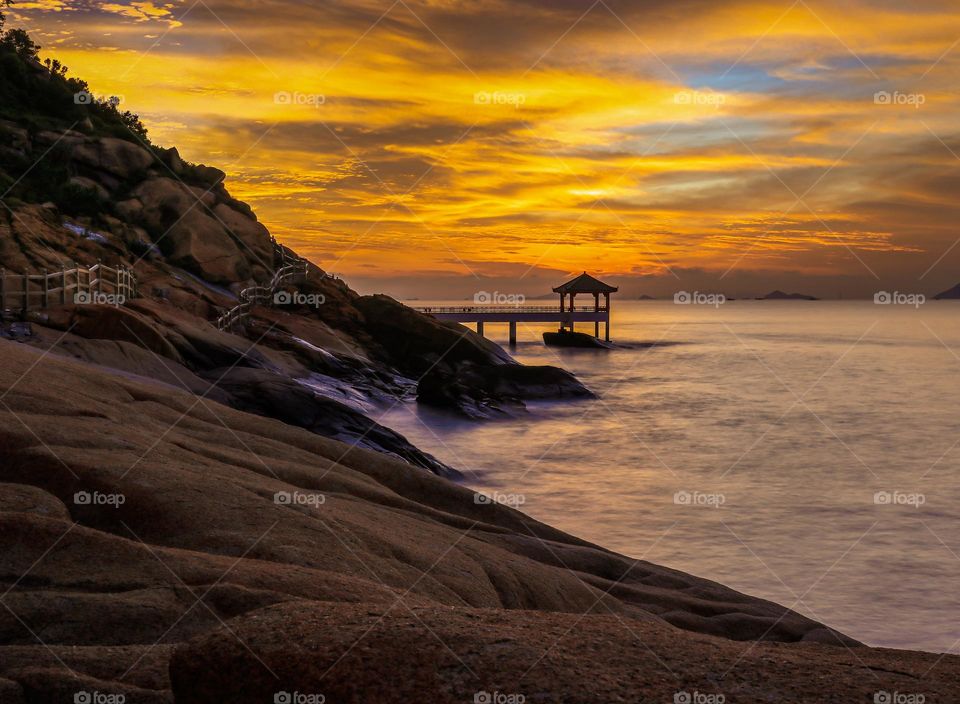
586,284
513,315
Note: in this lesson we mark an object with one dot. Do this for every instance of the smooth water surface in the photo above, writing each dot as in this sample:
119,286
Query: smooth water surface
804,452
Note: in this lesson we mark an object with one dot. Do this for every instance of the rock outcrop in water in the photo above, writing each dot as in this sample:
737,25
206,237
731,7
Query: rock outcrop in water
949,295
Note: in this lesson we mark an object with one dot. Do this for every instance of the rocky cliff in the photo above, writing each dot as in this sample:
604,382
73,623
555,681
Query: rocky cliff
85,185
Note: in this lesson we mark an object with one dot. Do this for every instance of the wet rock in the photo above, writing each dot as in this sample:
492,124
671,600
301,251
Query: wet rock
270,394
480,392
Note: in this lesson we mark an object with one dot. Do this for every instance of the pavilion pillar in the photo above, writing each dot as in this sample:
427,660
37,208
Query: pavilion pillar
573,308
596,320
513,332
480,328
606,297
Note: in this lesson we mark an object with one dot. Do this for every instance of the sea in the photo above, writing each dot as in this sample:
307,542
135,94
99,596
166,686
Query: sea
805,452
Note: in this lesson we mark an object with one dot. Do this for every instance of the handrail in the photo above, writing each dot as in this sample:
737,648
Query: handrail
25,291
253,295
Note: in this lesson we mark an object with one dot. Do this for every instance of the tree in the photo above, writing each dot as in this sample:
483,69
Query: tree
55,67
20,42
132,122
3,17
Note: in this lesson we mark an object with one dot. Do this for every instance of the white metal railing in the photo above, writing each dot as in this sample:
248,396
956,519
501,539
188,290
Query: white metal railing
254,295
80,284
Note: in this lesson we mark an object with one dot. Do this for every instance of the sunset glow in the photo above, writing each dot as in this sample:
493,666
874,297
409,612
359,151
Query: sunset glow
735,146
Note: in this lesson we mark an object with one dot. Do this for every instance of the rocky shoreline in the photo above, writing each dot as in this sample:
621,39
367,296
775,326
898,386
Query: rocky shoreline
175,550
189,514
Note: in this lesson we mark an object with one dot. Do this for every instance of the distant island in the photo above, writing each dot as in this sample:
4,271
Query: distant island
781,296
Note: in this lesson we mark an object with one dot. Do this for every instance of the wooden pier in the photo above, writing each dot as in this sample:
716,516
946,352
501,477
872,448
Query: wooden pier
566,315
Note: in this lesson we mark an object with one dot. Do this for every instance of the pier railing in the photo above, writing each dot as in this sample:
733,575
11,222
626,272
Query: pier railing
99,283
507,309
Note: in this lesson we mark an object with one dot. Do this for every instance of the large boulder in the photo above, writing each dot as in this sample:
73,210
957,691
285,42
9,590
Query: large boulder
187,233
115,156
415,343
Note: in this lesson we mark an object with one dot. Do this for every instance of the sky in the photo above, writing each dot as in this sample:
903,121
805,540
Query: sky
436,148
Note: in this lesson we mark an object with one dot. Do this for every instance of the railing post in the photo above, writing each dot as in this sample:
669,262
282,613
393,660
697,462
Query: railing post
46,290
26,290
99,276
63,284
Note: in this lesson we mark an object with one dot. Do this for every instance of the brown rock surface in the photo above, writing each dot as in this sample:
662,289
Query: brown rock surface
116,156
374,655
201,515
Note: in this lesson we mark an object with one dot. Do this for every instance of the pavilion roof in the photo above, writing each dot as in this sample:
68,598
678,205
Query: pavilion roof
585,284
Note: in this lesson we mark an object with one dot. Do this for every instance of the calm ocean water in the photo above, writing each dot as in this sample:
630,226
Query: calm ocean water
804,452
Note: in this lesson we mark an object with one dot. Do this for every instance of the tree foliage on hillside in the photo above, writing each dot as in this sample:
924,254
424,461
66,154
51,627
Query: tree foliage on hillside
41,95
